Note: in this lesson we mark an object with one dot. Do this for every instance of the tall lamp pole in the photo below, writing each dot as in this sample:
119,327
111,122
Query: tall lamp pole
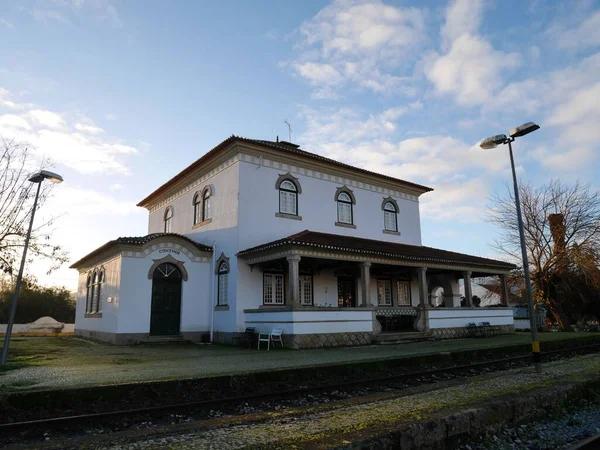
493,142
35,178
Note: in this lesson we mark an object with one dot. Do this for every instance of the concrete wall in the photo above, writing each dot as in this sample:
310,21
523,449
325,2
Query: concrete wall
312,321
19,328
461,317
109,299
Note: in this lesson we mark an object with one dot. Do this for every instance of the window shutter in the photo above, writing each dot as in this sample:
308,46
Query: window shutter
390,221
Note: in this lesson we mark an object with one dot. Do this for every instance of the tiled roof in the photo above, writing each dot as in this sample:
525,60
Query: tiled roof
283,148
405,252
139,240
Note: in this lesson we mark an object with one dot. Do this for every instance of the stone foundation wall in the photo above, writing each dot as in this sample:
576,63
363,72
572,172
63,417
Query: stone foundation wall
327,340
136,338
463,332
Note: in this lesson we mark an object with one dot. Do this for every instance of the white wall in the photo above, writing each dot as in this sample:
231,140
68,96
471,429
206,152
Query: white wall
259,201
136,294
461,317
110,289
312,321
222,230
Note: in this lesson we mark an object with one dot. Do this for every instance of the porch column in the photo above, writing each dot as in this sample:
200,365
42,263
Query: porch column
468,289
422,321
293,280
423,296
365,283
503,290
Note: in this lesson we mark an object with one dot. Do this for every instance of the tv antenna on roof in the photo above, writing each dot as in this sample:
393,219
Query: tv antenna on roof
289,130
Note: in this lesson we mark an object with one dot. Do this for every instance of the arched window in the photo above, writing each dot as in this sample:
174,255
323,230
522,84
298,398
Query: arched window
206,204
390,217
197,206
344,208
223,275
93,292
288,198
96,303
168,219
88,292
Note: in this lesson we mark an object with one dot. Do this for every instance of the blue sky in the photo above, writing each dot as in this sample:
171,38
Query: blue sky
123,95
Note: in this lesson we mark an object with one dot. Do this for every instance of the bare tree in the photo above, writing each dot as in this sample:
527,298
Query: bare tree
562,236
16,203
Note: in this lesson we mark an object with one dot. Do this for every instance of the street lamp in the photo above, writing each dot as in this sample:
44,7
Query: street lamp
35,178
492,142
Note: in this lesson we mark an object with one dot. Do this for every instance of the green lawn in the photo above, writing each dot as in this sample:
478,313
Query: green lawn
49,363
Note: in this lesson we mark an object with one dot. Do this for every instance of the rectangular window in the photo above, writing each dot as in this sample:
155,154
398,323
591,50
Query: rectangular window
344,212
273,289
306,294
403,293
222,294
390,221
384,293
287,202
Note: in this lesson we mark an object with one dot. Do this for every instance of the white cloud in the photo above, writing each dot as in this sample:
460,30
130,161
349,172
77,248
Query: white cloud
7,24
86,128
584,34
109,116
48,16
45,118
359,42
470,68
80,146
565,104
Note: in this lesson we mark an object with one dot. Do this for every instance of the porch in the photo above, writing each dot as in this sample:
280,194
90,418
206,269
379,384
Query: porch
349,290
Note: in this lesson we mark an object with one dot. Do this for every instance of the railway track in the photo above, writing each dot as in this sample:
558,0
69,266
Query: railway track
389,382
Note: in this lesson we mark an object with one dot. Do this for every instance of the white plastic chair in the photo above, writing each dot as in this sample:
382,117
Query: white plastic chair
274,336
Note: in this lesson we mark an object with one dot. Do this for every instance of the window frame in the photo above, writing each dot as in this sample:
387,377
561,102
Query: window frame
197,202
167,219
386,282
301,278
273,288
88,286
386,212
223,277
345,202
206,196
408,290
295,192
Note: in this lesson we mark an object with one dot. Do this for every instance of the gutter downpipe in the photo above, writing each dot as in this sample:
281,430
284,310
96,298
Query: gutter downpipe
212,291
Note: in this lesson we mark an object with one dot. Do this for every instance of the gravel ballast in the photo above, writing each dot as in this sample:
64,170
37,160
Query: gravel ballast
560,433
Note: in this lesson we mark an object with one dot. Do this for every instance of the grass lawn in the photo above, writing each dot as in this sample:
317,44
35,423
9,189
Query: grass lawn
49,363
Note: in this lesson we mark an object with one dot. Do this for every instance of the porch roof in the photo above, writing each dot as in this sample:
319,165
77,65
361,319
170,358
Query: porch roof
402,252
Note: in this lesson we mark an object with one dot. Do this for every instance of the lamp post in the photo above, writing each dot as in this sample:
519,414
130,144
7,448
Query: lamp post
35,178
493,142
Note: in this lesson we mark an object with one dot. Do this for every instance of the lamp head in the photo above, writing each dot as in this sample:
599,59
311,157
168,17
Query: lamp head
46,175
493,141
524,129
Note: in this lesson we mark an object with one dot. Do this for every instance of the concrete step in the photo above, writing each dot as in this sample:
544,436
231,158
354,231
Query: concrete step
173,338
401,338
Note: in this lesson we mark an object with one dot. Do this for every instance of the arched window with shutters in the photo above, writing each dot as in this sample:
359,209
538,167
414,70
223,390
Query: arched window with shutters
168,218
289,188
223,274
197,202
390,215
88,294
206,204
288,198
345,201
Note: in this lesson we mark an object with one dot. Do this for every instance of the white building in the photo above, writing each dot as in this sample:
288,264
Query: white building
263,234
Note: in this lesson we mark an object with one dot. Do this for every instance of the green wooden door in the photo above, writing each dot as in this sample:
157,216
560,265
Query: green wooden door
165,315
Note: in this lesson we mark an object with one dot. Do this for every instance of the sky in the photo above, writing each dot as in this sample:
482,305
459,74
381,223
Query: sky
121,96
